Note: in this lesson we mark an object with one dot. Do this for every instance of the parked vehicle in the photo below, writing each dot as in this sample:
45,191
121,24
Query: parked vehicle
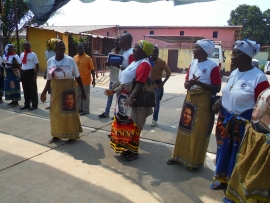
218,57
255,63
267,68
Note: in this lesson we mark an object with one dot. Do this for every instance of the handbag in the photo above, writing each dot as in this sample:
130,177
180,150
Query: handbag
214,98
146,97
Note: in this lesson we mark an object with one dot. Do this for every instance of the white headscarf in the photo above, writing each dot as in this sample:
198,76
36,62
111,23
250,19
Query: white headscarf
207,45
250,48
6,49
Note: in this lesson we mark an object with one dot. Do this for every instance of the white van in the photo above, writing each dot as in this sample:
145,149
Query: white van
218,57
267,67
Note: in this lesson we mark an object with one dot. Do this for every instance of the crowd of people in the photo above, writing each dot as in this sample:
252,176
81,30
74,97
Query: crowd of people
243,124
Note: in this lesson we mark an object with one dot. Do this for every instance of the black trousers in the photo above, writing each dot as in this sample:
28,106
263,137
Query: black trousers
29,88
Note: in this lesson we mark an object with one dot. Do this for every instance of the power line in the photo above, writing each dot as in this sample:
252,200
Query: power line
226,4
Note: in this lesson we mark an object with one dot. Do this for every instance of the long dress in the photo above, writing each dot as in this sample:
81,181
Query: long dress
250,180
196,120
12,79
128,122
238,100
64,115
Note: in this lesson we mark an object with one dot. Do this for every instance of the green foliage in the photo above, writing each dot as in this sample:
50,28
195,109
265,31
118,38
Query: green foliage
256,25
24,17
262,68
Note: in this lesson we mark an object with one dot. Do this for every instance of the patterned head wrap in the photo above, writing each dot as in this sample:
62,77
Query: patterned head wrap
207,45
51,43
6,49
250,48
146,46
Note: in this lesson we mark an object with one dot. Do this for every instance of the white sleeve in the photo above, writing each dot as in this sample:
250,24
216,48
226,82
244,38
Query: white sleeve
35,58
48,68
75,70
18,59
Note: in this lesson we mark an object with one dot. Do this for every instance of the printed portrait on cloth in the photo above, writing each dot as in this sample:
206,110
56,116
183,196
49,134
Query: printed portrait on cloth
68,101
187,117
261,113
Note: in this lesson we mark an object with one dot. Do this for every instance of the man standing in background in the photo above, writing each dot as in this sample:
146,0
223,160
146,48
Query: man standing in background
29,71
125,43
86,68
114,73
156,76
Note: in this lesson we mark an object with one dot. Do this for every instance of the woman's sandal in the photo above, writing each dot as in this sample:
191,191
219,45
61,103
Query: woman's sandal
171,162
54,139
70,141
131,156
227,200
218,185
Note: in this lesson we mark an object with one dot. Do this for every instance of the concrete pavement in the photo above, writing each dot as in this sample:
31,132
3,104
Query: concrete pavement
31,170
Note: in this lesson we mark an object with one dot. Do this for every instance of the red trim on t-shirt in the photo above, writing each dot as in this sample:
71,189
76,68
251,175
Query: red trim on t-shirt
130,59
215,76
259,88
187,75
143,72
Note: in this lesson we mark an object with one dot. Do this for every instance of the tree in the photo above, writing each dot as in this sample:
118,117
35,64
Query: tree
24,17
266,19
254,22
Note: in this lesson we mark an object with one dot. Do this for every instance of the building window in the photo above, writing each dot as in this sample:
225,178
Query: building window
151,32
108,34
182,33
125,31
215,34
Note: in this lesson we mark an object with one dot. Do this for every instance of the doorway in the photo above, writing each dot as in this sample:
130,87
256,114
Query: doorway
173,60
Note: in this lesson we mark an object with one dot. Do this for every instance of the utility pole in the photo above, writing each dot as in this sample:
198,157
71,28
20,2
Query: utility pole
16,23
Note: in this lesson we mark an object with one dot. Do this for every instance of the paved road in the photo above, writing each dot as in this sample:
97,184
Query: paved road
31,170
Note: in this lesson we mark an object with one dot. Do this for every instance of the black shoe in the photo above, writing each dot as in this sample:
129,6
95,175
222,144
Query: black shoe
103,115
32,108
25,107
84,113
11,103
16,103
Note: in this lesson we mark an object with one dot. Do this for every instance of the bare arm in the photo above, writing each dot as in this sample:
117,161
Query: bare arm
93,77
36,71
79,81
164,81
45,90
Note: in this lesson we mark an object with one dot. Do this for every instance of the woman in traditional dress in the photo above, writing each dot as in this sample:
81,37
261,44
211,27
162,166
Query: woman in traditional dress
235,108
65,122
196,121
11,62
129,121
250,180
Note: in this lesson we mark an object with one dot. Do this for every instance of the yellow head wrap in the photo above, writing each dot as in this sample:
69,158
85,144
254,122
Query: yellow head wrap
146,46
51,43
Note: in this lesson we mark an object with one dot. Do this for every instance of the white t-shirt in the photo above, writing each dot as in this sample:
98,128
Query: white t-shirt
202,69
241,97
126,55
64,69
129,73
125,62
49,54
31,61
10,58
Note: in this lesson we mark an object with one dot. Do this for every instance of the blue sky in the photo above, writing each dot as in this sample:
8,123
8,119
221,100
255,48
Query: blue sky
105,12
